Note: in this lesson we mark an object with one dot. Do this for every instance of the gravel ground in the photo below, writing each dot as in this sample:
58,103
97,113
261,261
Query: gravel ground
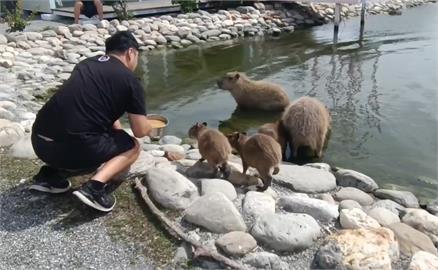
54,232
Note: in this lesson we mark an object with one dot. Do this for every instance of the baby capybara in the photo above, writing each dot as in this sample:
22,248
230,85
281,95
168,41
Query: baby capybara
213,147
251,94
306,122
276,131
259,151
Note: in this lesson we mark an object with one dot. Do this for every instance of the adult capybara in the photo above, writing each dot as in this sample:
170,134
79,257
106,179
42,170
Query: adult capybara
276,131
251,94
307,122
213,147
259,151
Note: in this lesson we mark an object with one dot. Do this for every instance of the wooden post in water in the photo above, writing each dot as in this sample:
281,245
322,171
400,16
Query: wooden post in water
362,19
337,20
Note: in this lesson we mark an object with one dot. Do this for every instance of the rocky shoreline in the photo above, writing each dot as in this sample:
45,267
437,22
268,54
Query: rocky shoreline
313,215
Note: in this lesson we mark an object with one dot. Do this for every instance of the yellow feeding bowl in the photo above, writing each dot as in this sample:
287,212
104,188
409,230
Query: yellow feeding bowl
158,123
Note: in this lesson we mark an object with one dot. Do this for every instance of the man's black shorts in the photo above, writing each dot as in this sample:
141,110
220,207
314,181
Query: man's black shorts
88,8
90,151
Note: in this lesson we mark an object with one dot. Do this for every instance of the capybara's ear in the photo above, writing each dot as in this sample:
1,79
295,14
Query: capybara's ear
237,76
243,133
204,124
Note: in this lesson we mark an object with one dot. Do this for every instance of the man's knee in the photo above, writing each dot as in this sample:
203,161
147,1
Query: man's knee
79,4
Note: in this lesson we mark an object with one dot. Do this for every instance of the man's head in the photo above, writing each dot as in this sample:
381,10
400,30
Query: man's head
123,45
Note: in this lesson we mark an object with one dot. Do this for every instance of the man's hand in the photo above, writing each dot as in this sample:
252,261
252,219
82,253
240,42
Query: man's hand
140,125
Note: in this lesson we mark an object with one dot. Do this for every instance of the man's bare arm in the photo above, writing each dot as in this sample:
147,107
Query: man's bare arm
140,125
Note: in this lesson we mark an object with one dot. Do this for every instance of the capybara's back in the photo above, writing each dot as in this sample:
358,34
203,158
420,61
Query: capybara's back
214,146
276,131
306,122
249,94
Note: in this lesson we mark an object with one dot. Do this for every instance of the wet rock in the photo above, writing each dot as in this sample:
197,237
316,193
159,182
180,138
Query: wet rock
319,209
423,261
390,205
210,33
423,221
411,240
305,179
358,249
286,232
356,218
404,198
351,193
209,186
432,207
216,213
350,178
170,189
319,165
266,261
383,216
236,243
257,204
201,170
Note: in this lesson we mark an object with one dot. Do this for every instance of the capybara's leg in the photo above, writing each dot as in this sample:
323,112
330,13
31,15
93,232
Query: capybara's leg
266,179
226,170
245,166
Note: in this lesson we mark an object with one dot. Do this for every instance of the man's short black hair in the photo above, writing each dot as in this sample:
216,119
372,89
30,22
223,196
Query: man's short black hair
120,42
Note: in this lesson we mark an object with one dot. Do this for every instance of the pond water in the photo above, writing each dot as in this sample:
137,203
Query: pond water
381,92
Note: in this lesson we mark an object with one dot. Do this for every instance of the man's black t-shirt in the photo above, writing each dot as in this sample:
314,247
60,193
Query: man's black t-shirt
98,92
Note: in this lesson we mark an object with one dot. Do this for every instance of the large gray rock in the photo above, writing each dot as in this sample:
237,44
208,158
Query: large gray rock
423,261
201,170
23,149
236,243
211,33
305,179
319,209
144,162
173,148
404,198
266,261
411,240
390,205
170,189
356,219
218,185
349,204
383,216
10,132
168,139
350,178
3,39
286,232
358,249
351,193
216,213
257,204
423,221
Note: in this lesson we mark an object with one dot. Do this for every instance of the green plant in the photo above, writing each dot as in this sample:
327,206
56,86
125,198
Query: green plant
15,18
186,5
121,9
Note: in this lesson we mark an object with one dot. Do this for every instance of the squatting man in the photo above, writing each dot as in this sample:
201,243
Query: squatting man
78,130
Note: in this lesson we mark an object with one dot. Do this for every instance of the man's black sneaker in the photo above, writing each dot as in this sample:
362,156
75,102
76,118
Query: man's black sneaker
47,180
98,199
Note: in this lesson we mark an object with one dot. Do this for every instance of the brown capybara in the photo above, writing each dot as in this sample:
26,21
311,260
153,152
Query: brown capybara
276,131
306,122
259,151
213,147
251,94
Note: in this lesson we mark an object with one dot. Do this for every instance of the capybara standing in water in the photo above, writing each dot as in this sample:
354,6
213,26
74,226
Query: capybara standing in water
307,122
251,94
213,147
276,131
259,151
